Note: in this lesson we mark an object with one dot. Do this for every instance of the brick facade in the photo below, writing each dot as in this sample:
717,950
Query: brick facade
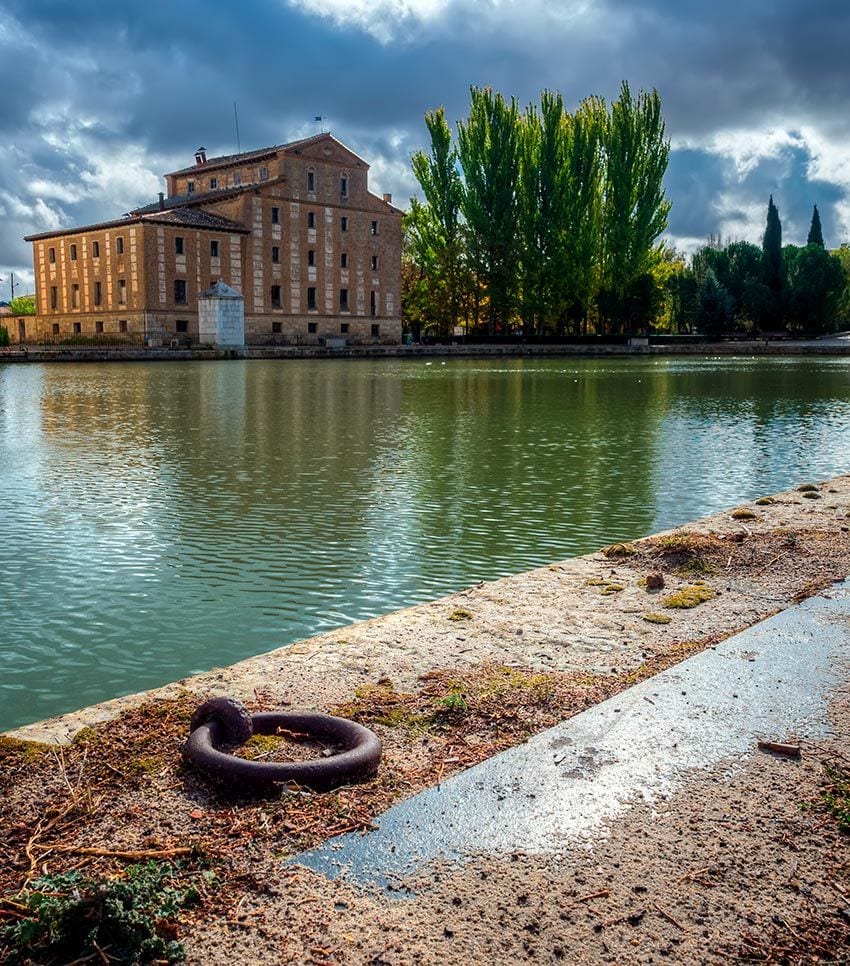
294,228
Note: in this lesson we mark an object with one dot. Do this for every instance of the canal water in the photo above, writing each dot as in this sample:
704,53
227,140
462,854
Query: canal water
161,519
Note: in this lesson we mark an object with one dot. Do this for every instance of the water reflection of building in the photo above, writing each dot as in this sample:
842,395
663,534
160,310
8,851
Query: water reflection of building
293,227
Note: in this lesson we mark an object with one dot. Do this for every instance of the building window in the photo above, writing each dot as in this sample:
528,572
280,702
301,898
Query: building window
312,326
343,186
180,291
264,174
213,184
54,297
237,178
343,260
214,248
311,181
56,328
122,325
51,255
311,219
311,299
98,293
343,300
178,245
77,328
75,296
376,330
275,216
374,263
277,328
95,249
73,253
343,328
374,228
122,292
343,223
275,296
181,325
119,245
190,187
373,305
275,255
311,258
98,328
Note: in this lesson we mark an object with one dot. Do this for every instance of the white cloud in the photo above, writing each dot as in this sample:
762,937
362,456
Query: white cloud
381,18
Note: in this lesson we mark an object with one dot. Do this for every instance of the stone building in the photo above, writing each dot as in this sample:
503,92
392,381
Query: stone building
293,227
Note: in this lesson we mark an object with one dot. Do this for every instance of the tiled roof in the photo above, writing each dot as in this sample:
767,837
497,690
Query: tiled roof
190,217
227,159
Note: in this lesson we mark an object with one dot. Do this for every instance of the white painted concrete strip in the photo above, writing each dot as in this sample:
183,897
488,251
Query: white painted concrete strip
771,681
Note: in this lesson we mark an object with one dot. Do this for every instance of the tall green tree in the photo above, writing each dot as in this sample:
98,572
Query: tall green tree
437,233
815,230
815,289
774,275
489,153
636,152
715,310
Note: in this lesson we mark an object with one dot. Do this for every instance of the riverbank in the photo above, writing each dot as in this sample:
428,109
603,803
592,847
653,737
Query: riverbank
445,685
824,347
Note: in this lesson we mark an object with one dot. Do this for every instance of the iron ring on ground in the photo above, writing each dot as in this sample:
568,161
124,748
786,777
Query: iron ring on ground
212,726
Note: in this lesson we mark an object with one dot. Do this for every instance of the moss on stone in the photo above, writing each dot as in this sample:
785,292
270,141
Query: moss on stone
690,596
656,618
812,495
807,488
765,501
461,615
25,750
742,513
619,550
609,589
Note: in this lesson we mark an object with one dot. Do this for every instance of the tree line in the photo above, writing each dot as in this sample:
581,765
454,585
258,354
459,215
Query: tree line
539,220
548,223
741,287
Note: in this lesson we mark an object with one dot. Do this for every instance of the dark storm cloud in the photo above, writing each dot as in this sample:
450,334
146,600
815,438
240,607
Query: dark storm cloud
100,98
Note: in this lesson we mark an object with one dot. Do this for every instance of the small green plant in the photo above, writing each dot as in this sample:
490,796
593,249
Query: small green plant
812,495
743,514
690,596
73,918
4,336
453,701
609,589
837,797
765,501
656,618
461,615
600,581
807,488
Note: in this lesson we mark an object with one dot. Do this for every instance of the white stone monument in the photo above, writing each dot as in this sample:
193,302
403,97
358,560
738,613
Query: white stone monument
221,316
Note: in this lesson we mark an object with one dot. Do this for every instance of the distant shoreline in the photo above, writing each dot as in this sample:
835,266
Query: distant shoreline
30,354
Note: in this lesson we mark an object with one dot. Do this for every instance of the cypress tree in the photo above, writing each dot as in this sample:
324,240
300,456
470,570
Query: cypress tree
815,232
772,263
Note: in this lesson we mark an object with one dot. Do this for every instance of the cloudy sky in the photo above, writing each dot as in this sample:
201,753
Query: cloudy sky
99,99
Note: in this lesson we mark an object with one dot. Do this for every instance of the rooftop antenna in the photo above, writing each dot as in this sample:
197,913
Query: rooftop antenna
236,118
321,122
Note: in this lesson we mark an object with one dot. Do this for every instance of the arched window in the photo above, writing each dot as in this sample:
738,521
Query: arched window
311,180
343,185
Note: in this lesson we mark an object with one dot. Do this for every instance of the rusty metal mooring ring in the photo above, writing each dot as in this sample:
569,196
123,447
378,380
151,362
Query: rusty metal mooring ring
225,721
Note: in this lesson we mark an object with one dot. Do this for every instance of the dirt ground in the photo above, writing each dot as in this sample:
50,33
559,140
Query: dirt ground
732,868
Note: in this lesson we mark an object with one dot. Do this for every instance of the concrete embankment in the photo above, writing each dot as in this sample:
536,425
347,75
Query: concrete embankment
591,615
832,347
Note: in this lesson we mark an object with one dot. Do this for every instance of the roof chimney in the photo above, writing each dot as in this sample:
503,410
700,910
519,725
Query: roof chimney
201,156
161,201
388,198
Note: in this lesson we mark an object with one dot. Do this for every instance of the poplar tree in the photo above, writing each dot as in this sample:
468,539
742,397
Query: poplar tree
436,231
635,208
489,152
815,231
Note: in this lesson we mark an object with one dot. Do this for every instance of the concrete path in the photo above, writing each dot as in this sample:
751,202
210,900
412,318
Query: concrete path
771,681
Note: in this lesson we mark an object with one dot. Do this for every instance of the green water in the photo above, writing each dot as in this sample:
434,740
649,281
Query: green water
162,519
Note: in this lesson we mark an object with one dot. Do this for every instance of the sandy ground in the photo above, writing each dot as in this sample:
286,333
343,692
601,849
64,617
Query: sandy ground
743,864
